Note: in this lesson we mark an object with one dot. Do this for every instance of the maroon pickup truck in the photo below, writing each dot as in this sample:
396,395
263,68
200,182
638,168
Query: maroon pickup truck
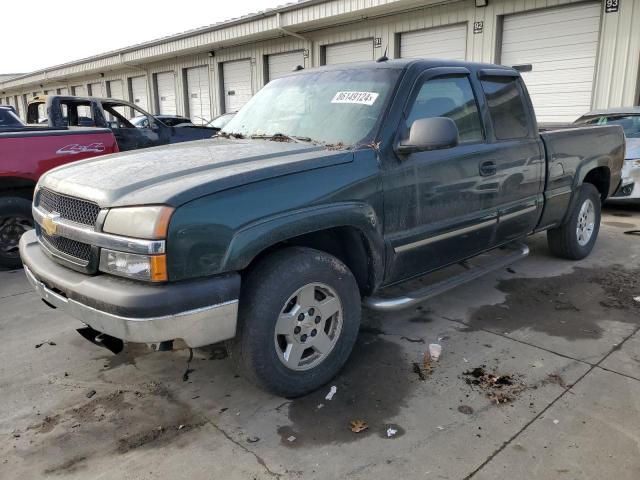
25,154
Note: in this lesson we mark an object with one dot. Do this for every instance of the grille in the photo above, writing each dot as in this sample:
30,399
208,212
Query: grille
69,208
75,249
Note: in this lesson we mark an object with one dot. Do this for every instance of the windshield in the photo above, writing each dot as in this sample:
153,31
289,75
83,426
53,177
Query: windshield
221,121
629,123
334,107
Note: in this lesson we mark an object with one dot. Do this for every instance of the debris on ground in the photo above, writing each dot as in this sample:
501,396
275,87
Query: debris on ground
47,342
358,426
556,421
320,405
636,299
440,427
435,350
332,392
291,438
425,369
391,432
413,340
498,388
91,393
253,439
466,409
557,379
188,371
417,369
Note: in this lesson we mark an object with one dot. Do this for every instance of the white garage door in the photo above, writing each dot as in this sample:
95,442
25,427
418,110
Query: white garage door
198,94
116,90
282,64
561,45
166,85
139,92
359,51
237,84
443,42
79,91
95,90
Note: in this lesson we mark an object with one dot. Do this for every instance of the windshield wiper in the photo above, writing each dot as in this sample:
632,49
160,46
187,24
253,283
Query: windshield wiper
281,137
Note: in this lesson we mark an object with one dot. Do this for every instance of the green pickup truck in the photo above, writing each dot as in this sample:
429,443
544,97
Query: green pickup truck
328,186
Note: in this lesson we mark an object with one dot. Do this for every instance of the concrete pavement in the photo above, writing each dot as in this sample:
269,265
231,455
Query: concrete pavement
565,333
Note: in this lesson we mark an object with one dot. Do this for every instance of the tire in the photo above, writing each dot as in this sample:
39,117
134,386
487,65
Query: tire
564,241
15,219
276,294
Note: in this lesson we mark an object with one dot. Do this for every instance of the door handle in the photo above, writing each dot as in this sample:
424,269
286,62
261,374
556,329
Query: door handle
488,168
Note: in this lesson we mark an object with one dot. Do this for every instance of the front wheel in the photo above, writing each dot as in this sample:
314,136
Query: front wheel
299,319
15,219
575,239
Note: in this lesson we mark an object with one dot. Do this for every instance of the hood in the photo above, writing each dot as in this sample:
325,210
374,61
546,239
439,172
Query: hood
633,148
176,174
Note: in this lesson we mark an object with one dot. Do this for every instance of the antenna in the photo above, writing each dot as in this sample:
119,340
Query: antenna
384,57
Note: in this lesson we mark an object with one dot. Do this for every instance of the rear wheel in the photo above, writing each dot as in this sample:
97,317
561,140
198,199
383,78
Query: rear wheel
575,239
299,319
15,219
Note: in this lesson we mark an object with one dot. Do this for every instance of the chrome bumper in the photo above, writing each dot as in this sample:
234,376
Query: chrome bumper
199,327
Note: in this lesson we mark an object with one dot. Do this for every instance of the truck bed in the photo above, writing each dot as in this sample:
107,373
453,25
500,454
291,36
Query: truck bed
571,153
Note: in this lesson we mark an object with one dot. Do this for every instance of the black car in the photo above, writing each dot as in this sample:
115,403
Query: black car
9,118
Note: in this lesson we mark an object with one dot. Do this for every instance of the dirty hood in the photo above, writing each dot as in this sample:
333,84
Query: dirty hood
176,174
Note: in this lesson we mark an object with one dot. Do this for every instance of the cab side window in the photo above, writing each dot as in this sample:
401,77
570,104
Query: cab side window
506,107
450,97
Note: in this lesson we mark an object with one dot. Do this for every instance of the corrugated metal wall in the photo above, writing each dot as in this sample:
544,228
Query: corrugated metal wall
616,81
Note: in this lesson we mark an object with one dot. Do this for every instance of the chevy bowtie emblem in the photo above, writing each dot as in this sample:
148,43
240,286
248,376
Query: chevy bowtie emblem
49,225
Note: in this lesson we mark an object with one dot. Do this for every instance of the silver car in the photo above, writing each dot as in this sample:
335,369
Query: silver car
629,119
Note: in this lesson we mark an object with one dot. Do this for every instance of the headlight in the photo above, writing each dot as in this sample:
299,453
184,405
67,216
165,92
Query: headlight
141,267
151,222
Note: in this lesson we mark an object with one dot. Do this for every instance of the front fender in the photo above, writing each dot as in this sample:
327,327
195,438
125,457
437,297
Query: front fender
254,238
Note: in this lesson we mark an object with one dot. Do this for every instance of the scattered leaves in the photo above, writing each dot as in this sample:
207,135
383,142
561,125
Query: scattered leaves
499,388
358,426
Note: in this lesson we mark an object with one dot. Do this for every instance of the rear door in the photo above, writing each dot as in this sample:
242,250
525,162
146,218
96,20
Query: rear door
437,208
514,173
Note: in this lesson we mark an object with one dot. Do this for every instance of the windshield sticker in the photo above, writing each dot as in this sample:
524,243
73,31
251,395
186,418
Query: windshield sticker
360,98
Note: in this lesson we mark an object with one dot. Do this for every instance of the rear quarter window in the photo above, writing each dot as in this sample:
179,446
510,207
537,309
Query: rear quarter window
509,114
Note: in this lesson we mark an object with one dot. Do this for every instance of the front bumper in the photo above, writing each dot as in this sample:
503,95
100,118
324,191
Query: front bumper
200,312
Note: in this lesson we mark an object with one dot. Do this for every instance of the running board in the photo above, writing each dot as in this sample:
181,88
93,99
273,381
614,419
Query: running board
418,296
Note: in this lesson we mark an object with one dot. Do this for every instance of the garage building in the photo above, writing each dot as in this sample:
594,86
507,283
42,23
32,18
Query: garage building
578,54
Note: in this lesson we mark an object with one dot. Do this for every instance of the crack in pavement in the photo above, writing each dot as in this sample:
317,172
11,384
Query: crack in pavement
16,294
544,410
258,458
480,329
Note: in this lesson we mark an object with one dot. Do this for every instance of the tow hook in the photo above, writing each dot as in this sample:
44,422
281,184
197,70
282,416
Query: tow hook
113,344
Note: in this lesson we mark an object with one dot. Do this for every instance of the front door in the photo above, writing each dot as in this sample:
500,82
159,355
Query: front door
439,205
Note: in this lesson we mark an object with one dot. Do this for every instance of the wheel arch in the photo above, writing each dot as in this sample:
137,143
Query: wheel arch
17,186
350,232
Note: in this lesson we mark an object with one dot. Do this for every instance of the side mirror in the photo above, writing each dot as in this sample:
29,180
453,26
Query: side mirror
429,134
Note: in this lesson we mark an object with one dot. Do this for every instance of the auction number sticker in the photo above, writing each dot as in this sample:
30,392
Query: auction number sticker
360,98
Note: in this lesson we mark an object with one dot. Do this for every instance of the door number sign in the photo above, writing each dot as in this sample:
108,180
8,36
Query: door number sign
611,6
